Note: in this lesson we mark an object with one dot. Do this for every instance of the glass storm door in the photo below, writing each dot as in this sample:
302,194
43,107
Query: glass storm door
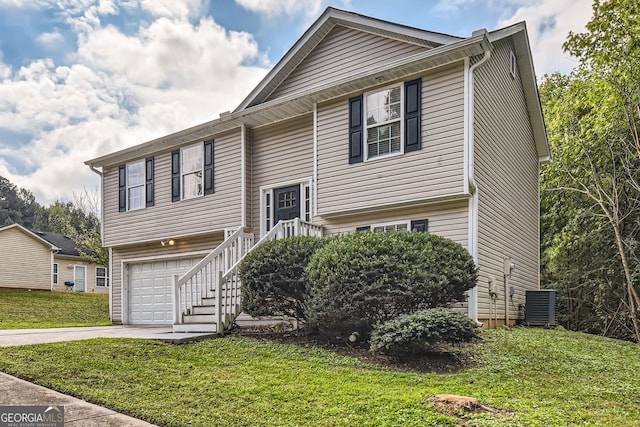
286,203
79,278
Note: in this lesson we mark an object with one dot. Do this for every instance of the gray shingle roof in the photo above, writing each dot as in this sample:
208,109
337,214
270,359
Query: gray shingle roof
66,245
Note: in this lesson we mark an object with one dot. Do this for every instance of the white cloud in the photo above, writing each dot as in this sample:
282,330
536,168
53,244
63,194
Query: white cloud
119,90
50,39
181,9
283,7
548,25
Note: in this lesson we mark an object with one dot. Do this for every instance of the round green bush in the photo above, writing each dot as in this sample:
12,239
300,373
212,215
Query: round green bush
417,333
361,279
273,277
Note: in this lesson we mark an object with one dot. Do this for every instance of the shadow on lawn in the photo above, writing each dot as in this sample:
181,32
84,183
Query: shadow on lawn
456,359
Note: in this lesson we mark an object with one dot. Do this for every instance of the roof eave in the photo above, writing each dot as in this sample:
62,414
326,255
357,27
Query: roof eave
33,235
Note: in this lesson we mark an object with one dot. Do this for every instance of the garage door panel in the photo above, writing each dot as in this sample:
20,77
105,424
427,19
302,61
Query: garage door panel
150,289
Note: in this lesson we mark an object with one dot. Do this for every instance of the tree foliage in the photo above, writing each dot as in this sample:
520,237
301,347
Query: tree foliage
591,193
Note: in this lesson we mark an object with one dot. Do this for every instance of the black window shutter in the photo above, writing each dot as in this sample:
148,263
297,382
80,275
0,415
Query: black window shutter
175,176
363,229
412,111
208,167
355,129
420,225
122,188
149,190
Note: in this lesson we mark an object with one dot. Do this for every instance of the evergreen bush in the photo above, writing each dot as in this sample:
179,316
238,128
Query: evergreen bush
417,333
273,276
361,279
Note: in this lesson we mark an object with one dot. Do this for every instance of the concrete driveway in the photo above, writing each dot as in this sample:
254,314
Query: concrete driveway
13,337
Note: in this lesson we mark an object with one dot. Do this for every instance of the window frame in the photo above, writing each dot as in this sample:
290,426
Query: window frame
56,272
366,127
406,223
105,277
200,147
142,185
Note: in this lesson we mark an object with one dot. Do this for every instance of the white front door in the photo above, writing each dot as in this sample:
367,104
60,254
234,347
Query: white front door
79,278
151,290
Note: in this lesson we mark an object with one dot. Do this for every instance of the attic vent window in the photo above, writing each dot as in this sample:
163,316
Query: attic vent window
512,64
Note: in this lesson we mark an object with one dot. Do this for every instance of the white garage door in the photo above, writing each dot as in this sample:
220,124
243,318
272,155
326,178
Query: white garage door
150,290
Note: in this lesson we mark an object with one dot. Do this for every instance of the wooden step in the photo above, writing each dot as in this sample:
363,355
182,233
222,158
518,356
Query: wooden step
199,318
203,309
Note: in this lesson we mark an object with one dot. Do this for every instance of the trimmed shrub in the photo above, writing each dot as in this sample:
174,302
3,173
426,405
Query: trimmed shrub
418,332
361,279
274,281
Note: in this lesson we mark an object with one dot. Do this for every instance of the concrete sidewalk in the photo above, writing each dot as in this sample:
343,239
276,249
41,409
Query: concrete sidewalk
17,392
13,337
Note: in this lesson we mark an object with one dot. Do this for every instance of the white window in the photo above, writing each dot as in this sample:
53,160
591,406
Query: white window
384,122
102,277
191,171
135,185
512,65
391,226
55,273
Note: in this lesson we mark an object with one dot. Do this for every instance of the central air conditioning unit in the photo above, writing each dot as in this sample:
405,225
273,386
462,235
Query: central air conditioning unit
540,307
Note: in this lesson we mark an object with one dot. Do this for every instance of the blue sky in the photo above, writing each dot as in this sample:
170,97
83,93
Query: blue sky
81,78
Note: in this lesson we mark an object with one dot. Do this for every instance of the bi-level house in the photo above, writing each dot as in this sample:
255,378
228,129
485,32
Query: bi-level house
363,125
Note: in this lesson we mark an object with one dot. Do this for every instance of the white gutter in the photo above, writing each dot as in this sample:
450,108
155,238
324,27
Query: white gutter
471,185
315,160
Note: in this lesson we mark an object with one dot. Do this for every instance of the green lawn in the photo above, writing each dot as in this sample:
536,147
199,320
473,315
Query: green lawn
20,309
543,377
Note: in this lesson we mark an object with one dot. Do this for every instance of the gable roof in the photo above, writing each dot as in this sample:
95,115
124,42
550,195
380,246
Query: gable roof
258,110
56,242
320,28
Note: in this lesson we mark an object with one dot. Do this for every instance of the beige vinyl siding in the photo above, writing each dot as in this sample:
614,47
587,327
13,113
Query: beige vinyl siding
65,274
282,153
198,246
25,262
448,220
343,52
186,217
437,170
506,172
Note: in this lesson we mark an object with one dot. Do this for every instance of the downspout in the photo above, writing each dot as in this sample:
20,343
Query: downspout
315,162
473,188
243,176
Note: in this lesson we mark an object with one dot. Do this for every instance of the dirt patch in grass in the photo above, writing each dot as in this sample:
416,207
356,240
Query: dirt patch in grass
456,359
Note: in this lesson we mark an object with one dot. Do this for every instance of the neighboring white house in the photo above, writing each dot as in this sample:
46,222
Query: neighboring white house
42,260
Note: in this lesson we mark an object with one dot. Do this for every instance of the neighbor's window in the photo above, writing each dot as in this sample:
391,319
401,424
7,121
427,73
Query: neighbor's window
391,226
384,117
135,185
55,273
191,170
102,277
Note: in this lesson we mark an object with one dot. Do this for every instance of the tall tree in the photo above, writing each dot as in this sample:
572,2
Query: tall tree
593,117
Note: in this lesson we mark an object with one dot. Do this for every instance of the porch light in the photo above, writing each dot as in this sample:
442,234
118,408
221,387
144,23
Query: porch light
167,242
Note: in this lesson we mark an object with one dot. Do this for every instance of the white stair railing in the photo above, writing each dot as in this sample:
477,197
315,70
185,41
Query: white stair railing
218,274
202,280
